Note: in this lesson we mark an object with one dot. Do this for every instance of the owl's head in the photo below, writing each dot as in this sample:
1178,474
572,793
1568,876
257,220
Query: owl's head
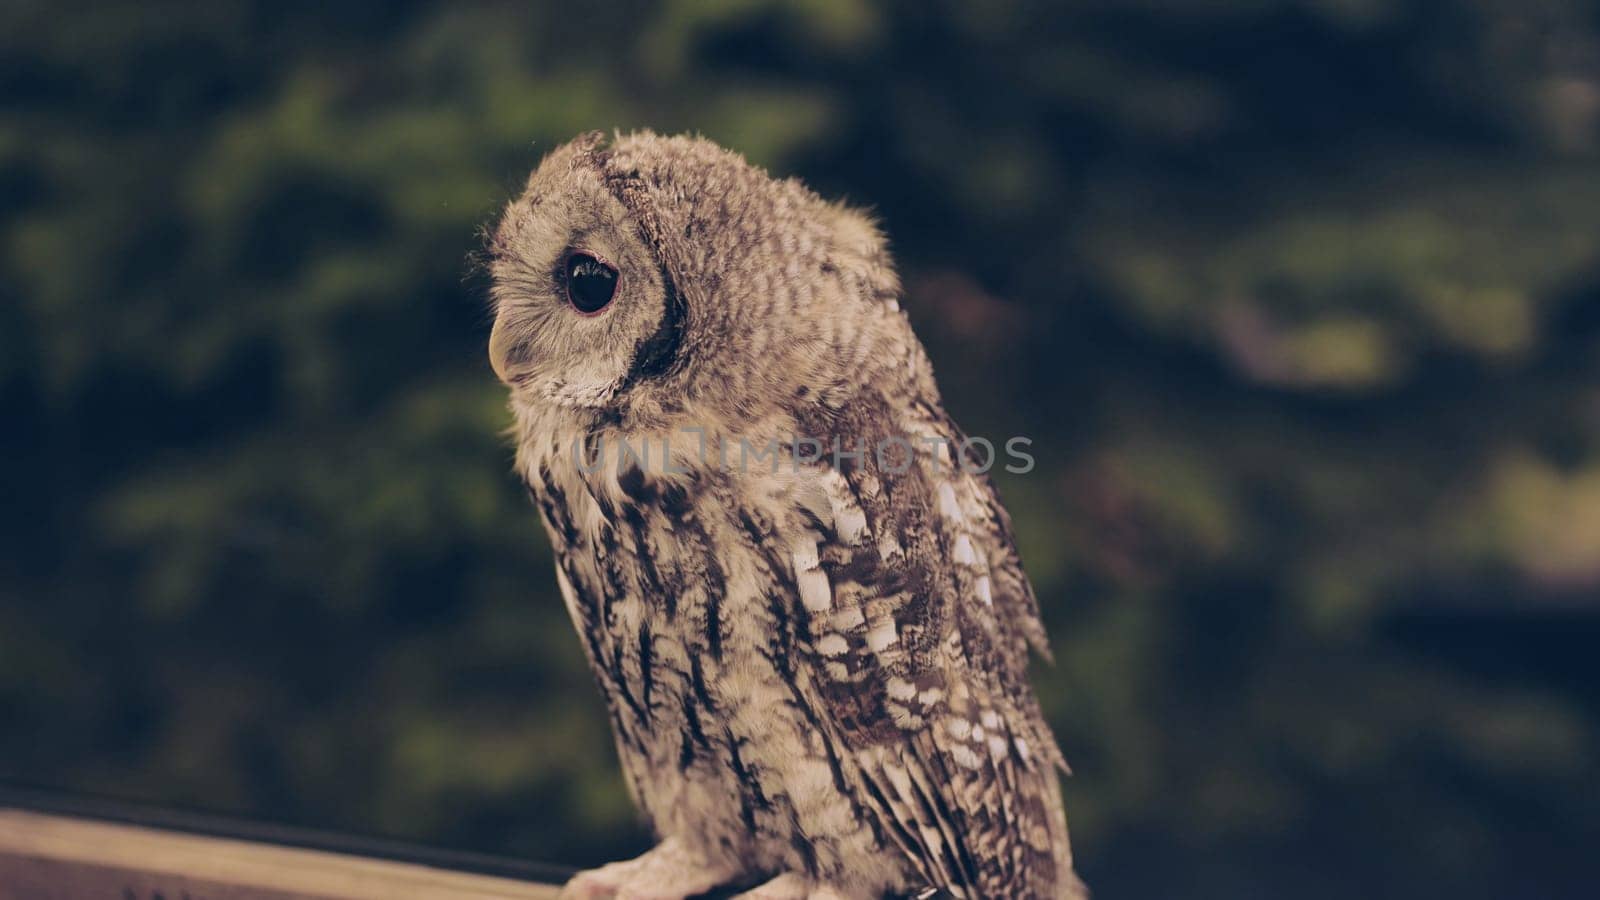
638,275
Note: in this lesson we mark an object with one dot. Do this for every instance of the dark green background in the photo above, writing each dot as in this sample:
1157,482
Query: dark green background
1298,301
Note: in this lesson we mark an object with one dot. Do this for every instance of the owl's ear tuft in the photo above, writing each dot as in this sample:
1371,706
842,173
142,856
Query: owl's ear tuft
588,150
578,153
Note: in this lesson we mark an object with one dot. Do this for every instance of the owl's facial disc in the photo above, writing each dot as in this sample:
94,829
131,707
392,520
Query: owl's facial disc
580,295
563,328
588,283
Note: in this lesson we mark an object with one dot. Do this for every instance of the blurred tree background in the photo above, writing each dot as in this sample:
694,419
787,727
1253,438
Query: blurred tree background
1297,299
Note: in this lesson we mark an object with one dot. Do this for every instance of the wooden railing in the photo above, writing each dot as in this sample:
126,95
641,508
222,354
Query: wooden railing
55,849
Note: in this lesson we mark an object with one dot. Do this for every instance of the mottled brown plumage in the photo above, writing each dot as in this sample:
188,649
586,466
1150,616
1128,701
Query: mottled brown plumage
814,657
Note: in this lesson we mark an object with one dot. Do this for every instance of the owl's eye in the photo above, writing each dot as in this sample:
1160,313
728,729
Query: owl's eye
590,283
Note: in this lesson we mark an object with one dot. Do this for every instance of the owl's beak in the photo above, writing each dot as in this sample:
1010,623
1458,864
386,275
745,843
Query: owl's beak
500,345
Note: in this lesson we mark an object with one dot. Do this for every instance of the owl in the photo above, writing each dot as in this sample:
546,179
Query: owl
799,596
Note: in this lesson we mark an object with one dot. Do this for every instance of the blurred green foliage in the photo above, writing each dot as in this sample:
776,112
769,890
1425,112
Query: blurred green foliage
1297,299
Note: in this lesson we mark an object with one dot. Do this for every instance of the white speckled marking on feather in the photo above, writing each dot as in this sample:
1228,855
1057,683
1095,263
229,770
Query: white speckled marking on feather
832,645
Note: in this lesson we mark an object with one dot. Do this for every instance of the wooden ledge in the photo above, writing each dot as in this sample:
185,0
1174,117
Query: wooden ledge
46,856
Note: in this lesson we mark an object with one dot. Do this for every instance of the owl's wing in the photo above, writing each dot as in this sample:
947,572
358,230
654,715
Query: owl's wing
915,621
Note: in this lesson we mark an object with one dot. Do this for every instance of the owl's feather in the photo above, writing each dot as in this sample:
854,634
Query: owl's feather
918,653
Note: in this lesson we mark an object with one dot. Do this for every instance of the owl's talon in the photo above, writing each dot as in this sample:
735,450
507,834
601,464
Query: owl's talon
668,872
789,887
588,885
